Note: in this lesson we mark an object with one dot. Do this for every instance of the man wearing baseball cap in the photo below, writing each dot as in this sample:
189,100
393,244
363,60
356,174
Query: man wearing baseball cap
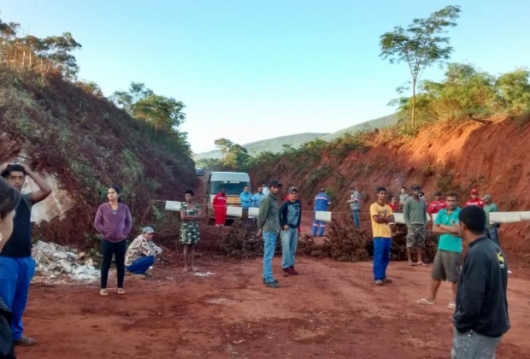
290,218
474,200
269,225
142,252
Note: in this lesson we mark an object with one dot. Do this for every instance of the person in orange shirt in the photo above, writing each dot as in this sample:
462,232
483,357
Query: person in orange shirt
381,215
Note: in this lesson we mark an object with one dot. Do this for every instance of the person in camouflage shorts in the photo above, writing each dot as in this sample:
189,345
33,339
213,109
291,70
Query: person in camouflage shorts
190,214
415,215
416,236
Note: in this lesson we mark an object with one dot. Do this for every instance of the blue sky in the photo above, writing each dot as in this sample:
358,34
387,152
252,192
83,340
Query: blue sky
251,70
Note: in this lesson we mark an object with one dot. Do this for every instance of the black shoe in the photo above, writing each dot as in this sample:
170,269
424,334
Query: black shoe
274,280
272,284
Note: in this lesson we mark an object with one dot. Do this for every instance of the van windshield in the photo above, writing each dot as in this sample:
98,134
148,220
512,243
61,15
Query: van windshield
231,187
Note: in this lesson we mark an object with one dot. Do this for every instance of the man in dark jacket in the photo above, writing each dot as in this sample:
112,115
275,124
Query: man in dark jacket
481,315
7,350
290,218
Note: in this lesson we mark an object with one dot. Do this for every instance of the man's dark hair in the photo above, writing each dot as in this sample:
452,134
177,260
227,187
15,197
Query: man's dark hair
381,189
190,192
13,168
474,218
9,198
452,194
403,187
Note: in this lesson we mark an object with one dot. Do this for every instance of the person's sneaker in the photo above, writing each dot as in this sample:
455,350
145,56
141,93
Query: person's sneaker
274,280
285,272
25,342
292,271
272,284
387,280
379,282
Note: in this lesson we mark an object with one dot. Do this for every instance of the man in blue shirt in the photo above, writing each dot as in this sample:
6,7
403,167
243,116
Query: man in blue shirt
246,200
258,197
322,203
448,257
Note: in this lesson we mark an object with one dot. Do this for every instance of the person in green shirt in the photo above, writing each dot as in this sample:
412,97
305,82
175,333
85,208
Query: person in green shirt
447,260
491,228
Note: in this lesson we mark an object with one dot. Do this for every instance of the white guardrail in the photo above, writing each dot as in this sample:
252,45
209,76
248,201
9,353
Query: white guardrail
234,211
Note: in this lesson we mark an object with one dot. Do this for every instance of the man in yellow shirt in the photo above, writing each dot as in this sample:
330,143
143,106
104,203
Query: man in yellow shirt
381,215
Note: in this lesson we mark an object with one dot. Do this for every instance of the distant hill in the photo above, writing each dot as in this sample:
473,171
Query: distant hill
273,144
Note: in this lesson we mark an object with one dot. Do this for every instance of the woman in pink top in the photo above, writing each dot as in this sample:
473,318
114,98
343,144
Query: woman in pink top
113,221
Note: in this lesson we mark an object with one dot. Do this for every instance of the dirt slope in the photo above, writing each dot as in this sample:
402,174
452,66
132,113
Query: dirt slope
447,156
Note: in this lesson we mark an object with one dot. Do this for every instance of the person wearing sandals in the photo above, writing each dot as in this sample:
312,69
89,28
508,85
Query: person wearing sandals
113,221
190,214
415,215
446,262
381,215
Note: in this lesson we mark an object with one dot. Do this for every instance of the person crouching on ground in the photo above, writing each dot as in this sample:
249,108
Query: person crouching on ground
481,314
381,215
290,218
269,225
141,254
113,221
190,214
9,200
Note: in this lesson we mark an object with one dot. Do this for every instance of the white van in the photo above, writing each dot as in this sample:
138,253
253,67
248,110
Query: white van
232,182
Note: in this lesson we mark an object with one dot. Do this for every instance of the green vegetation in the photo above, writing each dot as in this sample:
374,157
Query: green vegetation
420,45
68,129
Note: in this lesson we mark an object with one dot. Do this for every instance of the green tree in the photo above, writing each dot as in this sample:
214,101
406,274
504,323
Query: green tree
237,158
223,145
514,91
420,45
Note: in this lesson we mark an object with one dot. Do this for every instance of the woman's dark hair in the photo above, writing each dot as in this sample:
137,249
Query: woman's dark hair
9,198
13,168
190,192
474,218
118,191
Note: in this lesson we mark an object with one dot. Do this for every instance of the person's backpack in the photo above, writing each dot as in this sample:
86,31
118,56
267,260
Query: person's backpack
7,348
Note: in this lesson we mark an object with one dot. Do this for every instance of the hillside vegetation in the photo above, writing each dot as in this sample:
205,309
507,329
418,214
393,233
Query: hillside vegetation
67,129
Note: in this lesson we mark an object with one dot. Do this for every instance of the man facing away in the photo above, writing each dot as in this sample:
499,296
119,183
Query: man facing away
481,315
492,228
219,208
322,203
446,264
474,200
17,267
355,206
141,254
415,214
269,225
290,218
437,205
381,216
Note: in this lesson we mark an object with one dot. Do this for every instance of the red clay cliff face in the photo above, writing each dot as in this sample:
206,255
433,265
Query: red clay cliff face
447,156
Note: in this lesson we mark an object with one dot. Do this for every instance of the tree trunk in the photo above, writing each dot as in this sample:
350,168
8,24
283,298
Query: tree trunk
413,116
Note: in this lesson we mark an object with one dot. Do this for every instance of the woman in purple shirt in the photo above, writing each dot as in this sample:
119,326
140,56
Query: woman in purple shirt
113,221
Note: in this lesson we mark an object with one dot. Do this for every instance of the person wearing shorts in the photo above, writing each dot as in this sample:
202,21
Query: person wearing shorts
415,215
446,265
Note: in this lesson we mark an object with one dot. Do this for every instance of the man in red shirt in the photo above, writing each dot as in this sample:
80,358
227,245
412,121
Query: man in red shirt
437,205
219,208
474,200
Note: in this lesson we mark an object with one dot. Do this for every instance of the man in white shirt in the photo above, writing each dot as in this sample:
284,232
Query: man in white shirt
265,189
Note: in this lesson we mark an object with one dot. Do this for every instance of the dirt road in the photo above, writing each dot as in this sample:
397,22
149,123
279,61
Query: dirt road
331,310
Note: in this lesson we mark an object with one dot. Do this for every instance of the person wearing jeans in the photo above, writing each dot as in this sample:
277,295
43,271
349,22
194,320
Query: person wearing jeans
269,225
381,216
355,206
113,221
290,218
17,267
142,252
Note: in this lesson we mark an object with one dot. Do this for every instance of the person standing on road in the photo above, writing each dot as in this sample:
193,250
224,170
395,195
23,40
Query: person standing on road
322,203
492,228
141,254
269,225
481,315
474,200
113,221
381,216
265,189
290,218
394,204
287,198
9,201
246,200
446,264
415,214
436,206
190,214
17,267
355,206
258,197
403,196
219,208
